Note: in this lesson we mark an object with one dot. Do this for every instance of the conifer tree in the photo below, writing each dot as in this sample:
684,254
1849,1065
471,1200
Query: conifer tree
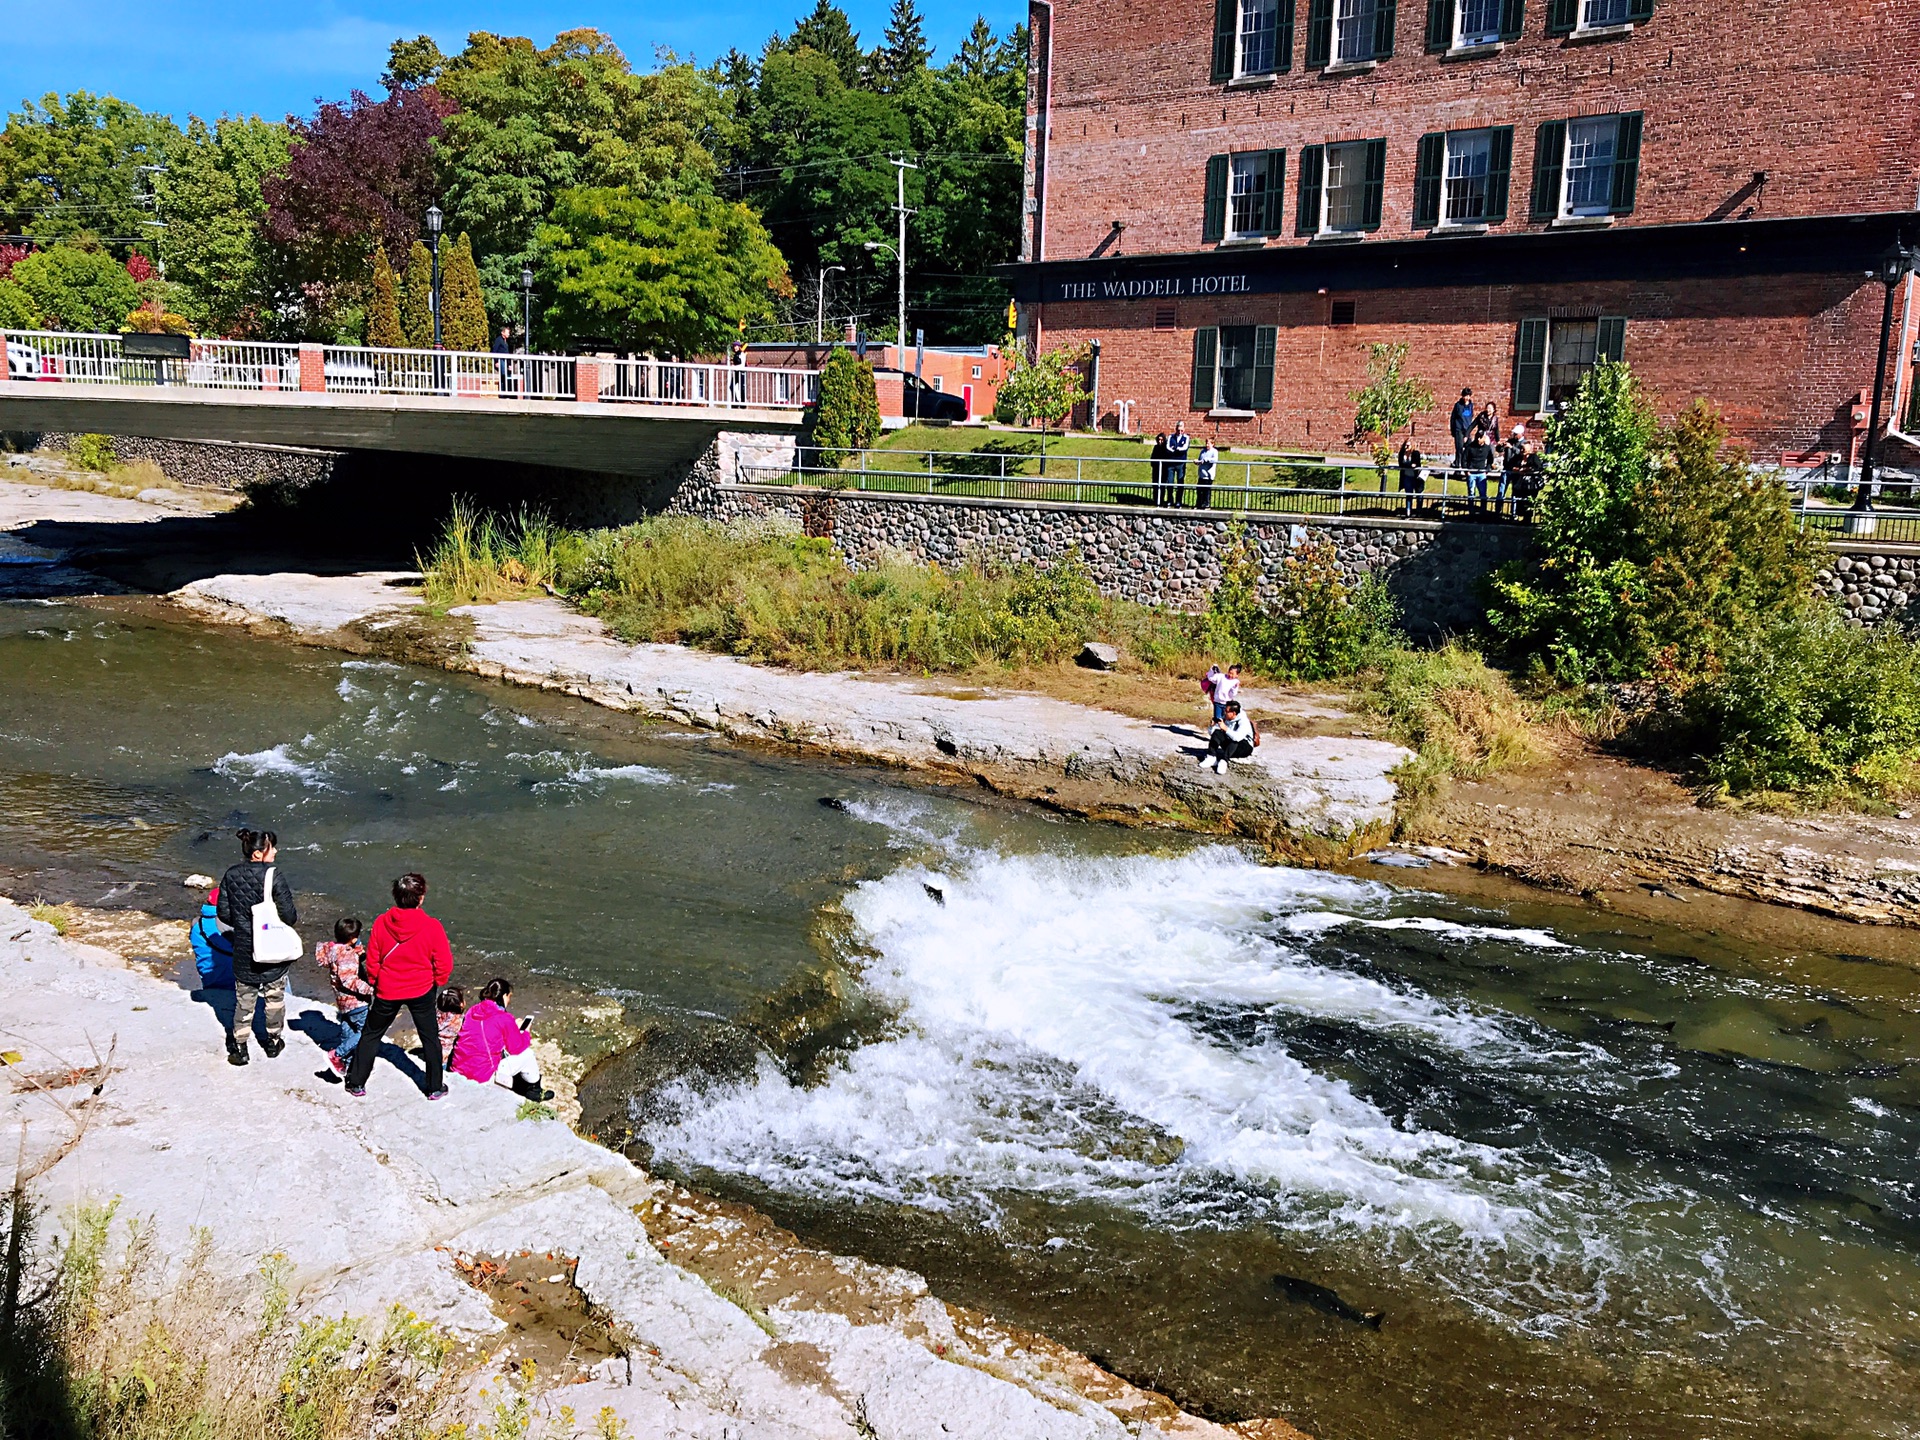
463,319
904,51
847,416
383,310
416,299
829,31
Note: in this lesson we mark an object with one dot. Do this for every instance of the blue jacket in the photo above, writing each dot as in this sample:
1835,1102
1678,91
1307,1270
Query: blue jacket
212,950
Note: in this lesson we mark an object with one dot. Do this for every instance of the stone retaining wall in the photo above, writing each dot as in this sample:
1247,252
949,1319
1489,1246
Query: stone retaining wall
1874,584
216,464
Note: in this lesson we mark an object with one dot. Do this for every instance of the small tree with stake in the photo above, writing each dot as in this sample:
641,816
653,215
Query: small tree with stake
847,416
1387,403
1045,390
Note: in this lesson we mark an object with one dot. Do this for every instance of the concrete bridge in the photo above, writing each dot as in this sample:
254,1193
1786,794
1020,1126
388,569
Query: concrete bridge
646,419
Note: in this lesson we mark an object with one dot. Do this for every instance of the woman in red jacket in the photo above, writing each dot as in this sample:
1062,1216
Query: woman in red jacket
408,960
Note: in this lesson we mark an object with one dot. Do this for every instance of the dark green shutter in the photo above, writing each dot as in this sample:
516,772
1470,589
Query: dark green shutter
1428,170
1213,224
1206,367
1273,217
1626,164
1313,160
1384,20
1226,26
1264,339
1319,33
1499,172
1440,25
1562,16
1613,338
1376,184
1529,367
1639,11
1283,37
1549,157
1513,19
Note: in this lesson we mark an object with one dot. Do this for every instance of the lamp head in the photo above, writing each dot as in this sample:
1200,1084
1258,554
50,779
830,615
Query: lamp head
434,219
526,277
1897,261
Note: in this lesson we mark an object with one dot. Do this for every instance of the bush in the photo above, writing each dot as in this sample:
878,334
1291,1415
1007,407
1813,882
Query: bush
1812,705
1304,623
92,452
1459,715
77,289
847,416
17,309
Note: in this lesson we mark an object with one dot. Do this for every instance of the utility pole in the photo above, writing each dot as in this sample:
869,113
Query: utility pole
900,167
820,305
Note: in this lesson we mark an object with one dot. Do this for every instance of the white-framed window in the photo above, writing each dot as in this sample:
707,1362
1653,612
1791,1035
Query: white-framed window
1253,199
976,372
1477,22
1464,192
1597,14
1259,41
1588,189
1354,23
940,382
1344,203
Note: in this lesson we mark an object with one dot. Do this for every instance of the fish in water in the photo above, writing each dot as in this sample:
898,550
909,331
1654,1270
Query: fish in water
935,893
1327,1302
834,802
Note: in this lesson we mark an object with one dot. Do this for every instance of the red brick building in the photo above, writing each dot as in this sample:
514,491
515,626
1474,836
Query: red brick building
1237,196
972,372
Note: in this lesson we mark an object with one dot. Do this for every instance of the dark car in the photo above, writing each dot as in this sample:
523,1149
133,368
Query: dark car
919,401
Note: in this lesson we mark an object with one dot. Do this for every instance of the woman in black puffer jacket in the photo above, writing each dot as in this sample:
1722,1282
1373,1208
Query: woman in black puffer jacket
242,888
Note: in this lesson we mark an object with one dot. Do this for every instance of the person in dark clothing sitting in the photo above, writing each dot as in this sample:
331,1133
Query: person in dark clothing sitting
241,888
1233,738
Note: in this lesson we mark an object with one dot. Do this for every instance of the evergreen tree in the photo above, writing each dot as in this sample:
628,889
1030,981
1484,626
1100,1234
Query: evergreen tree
904,51
416,299
978,52
828,31
847,416
463,319
383,307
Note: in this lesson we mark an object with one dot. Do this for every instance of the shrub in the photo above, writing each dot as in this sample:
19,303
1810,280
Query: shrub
75,288
1459,715
847,415
92,452
17,309
153,319
1304,623
383,305
1812,705
463,323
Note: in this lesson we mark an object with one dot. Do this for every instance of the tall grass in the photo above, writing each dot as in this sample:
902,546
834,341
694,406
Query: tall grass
1459,715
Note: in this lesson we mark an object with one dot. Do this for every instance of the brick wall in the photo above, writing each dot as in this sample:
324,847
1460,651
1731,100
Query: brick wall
1819,94
1781,355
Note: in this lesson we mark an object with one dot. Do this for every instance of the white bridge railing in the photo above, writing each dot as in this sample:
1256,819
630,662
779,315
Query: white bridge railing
58,357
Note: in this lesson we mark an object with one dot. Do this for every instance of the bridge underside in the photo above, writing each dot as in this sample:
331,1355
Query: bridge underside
651,443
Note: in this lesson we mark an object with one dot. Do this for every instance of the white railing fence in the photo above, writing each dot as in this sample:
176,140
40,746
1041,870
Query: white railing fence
674,382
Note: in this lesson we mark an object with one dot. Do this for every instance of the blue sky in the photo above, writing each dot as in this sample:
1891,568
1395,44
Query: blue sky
271,56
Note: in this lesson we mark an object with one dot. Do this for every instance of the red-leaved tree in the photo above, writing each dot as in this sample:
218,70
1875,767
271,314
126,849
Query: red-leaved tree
139,268
360,174
8,255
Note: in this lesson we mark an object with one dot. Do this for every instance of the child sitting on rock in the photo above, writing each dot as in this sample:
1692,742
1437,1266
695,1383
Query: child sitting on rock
212,950
340,957
451,1012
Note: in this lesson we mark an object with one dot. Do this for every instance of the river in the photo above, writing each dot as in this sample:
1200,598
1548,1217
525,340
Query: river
1594,1178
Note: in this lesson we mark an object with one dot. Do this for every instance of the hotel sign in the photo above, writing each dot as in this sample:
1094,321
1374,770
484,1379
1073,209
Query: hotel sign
1165,287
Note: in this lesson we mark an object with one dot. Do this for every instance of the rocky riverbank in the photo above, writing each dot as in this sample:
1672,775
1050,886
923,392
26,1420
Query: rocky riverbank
118,1082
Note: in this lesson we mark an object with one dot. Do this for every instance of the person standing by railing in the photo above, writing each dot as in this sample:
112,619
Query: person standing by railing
503,346
1209,463
1158,464
1177,447
1413,480
1460,426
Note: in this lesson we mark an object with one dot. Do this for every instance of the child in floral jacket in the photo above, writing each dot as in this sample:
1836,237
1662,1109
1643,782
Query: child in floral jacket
340,958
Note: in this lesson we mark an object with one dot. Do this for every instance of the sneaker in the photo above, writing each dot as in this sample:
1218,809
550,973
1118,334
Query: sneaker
439,1094
358,1092
273,1045
236,1052
339,1065
1221,766
1206,762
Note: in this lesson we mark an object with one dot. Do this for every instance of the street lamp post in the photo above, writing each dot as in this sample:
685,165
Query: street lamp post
434,221
526,307
820,305
900,334
1889,270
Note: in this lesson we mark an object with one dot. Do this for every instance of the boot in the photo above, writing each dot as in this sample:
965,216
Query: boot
273,1045
530,1089
236,1051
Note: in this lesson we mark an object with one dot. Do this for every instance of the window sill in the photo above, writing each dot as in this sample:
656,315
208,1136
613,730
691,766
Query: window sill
1465,227
1351,67
1223,414
1242,242
1251,82
1581,222
1475,52
1602,32
1337,237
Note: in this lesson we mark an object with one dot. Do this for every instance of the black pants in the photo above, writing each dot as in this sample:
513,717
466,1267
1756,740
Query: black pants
381,1014
1222,747
1177,483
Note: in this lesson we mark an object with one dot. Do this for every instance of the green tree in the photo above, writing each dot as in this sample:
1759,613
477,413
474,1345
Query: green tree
676,276
828,33
74,167
75,288
17,308
847,416
463,322
1045,390
416,299
1387,403
383,305
215,243
903,53
1306,621
412,62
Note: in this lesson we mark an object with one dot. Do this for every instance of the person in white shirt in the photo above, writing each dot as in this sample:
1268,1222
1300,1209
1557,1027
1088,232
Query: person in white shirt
1209,463
1232,739
1225,689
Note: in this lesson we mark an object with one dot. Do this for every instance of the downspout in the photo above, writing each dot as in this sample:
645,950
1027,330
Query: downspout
1902,365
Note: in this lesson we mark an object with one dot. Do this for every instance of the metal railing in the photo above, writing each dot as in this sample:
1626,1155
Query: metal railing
99,359
1823,504
1268,484
673,382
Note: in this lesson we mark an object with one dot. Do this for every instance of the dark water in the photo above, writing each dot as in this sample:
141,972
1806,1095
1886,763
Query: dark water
1104,1084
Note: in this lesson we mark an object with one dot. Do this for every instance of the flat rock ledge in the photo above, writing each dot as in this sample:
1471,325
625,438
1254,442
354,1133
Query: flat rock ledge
371,1200
1325,792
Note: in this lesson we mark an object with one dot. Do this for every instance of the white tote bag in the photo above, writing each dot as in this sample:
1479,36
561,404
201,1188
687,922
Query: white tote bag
274,941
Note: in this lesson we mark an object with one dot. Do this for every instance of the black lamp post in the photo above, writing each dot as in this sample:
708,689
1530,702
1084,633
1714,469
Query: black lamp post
1889,270
434,221
526,307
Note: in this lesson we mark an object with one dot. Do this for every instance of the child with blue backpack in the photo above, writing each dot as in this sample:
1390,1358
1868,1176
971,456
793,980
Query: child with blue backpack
212,950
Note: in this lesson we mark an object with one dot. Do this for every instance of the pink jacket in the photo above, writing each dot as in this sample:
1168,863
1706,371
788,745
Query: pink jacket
487,1035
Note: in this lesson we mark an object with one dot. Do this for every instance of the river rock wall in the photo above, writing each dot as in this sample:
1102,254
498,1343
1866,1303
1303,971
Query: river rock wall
1874,586
214,464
